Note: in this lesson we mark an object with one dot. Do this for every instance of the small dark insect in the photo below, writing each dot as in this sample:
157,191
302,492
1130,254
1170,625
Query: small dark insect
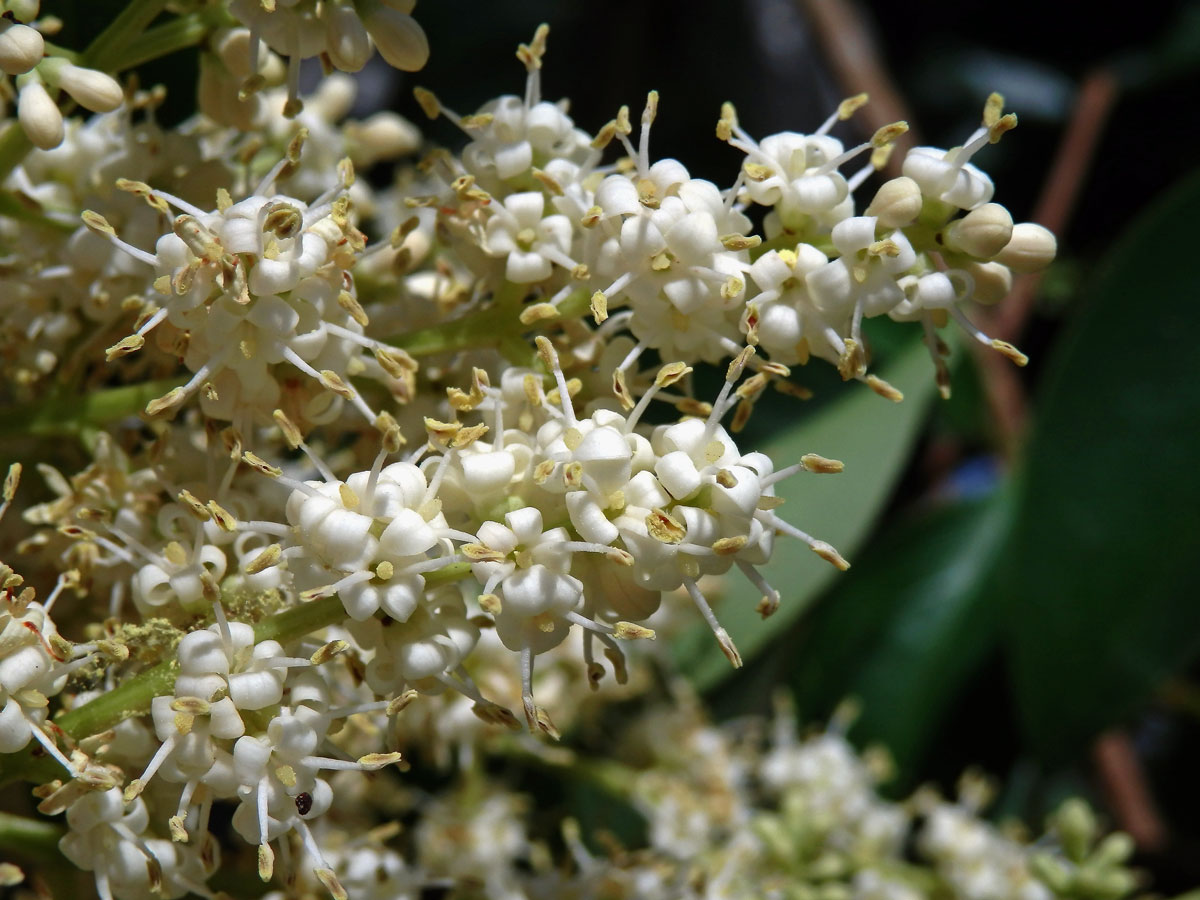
303,803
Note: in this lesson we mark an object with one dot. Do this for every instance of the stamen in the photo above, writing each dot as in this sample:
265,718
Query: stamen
431,565
770,599
527,687
44,739
223,627
723,638
550,359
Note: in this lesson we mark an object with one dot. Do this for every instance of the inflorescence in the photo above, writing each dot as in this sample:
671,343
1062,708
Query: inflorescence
455,415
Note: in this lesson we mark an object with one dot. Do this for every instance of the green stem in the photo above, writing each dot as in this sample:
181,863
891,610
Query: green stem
132,698
484,327
13,208
32,838
71,56
495,325
609,775
108,48
67,411
13,146
163,40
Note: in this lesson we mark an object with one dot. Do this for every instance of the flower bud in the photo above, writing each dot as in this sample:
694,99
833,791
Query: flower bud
399,38
90,88
897,203
1114,850
349,45
39,116
21,48
233,47
1030,249
334,98
935,291
993,281
23,10
384,135
1076,826
982,233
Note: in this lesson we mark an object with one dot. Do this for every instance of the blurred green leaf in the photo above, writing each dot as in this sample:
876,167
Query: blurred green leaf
874,438
1103,569
906,628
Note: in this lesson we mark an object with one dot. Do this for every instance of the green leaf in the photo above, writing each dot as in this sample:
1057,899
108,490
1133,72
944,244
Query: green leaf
906,628
1104,572
873,438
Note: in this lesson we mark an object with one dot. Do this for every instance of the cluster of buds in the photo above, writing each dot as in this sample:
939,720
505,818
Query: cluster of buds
41,78
343,33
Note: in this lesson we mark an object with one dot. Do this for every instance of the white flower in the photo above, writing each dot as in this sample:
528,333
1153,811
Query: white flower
374,533
530,243
33,668
783,318
107,836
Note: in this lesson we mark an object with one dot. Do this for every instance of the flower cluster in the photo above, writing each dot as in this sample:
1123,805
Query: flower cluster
430,441
749,810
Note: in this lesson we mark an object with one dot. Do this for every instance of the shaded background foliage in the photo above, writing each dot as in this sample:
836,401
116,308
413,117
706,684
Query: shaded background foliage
1025,592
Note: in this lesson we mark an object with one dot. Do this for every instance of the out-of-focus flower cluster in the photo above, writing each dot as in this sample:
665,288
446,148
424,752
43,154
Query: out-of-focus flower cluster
402,438
751,809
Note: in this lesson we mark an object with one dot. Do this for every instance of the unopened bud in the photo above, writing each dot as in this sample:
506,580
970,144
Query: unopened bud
993,281
10,875
897,203
39,116
384,135
982,233
1030,249
92,89
21,48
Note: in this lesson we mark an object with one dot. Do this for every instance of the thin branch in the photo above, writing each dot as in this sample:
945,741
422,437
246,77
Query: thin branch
853,55
1056,203
1128,792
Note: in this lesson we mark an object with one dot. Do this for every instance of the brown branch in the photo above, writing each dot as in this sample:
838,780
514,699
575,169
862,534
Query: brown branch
853,55
1059,194
1128,793
1056,203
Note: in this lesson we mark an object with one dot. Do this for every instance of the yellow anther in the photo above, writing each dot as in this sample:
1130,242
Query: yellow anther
813,462
888,133
599,305
850,106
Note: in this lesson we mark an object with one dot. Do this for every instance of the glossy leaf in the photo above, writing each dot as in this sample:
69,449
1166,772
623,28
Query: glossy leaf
904,632
1104,573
